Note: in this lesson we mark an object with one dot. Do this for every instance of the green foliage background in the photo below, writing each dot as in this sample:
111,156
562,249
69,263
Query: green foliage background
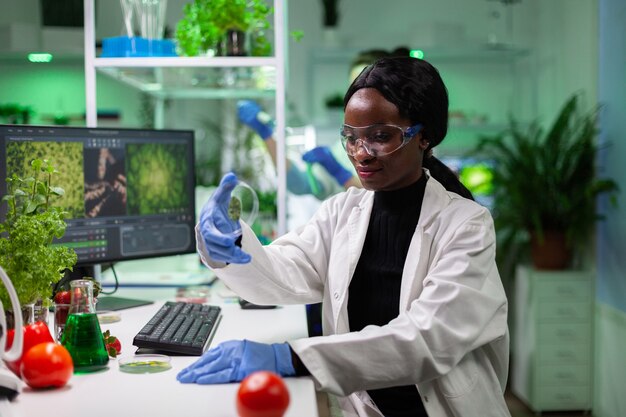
66,156
152,171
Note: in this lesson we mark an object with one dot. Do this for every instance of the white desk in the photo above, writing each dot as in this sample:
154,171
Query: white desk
112,393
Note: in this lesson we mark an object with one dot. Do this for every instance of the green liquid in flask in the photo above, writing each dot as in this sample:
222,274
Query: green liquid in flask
83,339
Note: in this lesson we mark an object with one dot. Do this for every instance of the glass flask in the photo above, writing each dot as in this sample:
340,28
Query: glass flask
82,335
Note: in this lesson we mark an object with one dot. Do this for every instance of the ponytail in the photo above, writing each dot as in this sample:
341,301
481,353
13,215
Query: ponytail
440,171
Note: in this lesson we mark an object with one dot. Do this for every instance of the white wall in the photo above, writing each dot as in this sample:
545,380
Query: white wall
24,11
567,54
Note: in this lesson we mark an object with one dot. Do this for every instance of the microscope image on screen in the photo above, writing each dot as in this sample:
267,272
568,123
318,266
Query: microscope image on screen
156,178
105,182
476,174
66,157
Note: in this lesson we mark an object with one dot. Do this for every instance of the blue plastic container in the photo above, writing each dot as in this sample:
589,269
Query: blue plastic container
123,46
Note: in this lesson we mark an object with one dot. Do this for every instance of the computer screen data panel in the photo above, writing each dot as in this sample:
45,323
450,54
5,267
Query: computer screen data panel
129,193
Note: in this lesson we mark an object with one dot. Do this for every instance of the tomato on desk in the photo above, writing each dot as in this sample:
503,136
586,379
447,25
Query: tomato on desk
47,365
34,334
262,394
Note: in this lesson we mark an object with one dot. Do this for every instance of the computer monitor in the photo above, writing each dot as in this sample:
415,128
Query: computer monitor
129,192
476,174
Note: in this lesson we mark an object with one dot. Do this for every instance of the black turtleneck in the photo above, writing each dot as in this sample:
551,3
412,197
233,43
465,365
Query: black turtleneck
374,293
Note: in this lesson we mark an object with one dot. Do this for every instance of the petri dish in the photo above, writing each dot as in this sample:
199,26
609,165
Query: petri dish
198,295
244,203
108,316
145,364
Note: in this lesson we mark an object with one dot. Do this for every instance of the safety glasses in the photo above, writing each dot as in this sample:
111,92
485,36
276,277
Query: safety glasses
377,140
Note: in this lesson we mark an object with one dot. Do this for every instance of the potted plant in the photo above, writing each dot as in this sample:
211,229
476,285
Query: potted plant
222,26
545,185
236,18
32,262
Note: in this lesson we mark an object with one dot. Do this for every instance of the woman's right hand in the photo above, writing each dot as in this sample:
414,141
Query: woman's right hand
218,230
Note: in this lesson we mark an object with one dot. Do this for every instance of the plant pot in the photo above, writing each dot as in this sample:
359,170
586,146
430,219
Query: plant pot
31,313
552,252
233,44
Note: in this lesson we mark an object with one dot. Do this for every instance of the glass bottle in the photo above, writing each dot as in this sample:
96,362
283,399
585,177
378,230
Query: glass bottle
82,335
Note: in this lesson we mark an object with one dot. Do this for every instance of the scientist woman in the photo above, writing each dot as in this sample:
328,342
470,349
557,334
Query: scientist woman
414,312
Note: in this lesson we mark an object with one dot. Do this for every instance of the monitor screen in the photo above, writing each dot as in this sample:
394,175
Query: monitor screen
129,193
476,174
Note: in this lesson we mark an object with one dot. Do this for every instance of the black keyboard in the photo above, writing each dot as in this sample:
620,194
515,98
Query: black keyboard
180,327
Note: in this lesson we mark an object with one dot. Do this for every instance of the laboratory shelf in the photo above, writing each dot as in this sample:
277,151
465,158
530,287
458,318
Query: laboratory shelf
167,78
481,53
187,62
197,82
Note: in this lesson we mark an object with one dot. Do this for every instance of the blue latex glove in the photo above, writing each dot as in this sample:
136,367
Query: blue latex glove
323,156
232,361
250,114
218,230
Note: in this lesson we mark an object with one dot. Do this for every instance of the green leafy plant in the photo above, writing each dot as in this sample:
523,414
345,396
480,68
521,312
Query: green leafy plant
267,202
206,22
195,32
27,253
297,35
243,15
546,181
12,113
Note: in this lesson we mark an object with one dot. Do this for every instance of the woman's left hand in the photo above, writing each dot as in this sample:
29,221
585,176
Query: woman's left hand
232,361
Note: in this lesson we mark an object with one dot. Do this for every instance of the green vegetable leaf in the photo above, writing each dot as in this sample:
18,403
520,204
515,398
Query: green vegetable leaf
57,191
27,252
31,207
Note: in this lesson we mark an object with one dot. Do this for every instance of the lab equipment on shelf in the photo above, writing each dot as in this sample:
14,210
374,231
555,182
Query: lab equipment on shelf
150,18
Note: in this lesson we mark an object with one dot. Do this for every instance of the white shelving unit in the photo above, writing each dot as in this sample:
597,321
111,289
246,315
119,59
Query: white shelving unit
120,67
553,340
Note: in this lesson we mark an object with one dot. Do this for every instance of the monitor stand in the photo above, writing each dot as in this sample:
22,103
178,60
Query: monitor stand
105,302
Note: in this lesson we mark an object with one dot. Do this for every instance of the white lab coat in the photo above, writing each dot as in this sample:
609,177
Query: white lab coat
451,337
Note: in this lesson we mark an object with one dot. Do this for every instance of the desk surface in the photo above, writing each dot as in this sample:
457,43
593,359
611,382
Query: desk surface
112,393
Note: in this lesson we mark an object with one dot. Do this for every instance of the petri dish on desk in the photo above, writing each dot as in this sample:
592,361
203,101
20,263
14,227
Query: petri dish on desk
145,364
198,295
108,316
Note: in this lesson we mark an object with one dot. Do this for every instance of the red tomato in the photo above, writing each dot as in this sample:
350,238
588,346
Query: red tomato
46,365
62,297
262,394
34,334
